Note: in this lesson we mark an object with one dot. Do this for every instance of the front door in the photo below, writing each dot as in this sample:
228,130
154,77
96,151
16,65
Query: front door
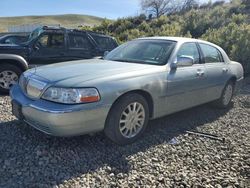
186,84
48,49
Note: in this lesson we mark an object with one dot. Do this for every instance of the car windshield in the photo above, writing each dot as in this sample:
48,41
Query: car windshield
155,52
34,34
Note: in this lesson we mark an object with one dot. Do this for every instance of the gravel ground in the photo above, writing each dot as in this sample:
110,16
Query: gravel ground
165,157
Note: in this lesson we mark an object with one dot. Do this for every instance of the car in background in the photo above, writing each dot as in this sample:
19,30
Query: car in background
47,45
141,80
13,39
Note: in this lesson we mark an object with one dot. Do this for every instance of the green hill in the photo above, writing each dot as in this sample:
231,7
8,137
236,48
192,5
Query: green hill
67,20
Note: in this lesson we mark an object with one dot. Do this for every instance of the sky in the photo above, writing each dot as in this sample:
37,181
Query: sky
111,9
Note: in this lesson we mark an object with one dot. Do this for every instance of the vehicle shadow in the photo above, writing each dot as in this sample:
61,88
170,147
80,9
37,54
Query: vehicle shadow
35,156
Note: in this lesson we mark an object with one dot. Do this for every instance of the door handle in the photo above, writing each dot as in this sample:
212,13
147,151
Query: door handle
200,73
225,69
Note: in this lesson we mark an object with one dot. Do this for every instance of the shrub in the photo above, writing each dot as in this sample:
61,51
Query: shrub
235,39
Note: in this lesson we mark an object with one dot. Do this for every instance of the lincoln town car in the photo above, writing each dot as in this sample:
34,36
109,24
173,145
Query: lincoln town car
141,80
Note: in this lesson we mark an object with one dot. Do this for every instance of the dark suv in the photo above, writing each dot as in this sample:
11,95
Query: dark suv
48,45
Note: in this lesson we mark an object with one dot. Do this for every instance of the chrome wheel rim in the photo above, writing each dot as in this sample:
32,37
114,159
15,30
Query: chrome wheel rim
132,120
7,79
227,94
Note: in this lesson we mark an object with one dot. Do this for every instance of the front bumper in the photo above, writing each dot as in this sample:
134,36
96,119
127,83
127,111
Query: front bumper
60,119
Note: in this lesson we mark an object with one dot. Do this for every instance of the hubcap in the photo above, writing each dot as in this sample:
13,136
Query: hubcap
132,120
7,79
228,95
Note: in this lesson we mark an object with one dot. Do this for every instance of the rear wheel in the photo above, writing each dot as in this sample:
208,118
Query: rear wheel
9,75
226,96
127,119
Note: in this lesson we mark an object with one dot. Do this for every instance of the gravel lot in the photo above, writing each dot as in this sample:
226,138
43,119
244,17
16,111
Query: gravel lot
29,158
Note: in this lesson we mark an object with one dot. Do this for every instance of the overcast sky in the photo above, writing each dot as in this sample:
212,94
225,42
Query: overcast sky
111,9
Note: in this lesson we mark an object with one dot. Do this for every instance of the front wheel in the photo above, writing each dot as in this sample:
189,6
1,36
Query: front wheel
9,75
127,119
226,96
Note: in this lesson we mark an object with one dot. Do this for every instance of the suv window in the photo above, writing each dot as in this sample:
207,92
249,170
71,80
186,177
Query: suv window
57,41
211,54
51,41
79,42
190,49
104,42
43,41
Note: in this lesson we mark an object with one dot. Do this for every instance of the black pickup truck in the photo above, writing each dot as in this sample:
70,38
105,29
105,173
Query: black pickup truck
47,45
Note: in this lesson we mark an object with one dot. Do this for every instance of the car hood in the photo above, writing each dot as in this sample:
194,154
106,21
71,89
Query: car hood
11,46
75,72
14,49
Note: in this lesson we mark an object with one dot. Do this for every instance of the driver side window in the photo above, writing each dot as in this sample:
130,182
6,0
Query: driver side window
43,41
189,50
51,41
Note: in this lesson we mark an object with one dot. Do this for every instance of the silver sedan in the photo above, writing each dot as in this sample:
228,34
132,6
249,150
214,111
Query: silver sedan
143,79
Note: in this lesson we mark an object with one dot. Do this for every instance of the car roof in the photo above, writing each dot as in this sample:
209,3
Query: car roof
185,39
178,39
181,40
74,31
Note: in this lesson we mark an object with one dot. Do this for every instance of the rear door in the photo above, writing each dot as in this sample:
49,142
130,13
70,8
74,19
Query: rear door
48,49
79,47
217,70
186,85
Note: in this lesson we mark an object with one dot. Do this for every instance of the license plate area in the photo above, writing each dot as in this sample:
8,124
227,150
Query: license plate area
17,110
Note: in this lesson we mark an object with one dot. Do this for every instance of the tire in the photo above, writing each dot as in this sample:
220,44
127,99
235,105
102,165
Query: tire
117,123
9,75
226,96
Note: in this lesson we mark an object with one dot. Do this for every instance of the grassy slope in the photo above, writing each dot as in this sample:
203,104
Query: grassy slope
67,20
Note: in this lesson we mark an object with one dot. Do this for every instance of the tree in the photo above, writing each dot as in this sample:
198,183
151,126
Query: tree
189,4
246,3
157,7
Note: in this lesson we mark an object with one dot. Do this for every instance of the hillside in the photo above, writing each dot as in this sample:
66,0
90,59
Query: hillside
67,20
227,25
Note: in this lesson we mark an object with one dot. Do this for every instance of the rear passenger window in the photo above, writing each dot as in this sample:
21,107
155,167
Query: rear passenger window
79,42
57,41
211,54
105,43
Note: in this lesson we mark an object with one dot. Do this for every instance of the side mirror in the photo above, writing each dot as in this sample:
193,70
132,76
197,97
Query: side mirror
185,61
105,53
36,47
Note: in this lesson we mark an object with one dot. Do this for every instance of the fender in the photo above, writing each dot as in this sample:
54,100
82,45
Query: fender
19,60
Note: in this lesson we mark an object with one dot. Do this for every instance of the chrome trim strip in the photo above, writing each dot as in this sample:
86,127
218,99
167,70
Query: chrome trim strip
36,127
52,111
66,111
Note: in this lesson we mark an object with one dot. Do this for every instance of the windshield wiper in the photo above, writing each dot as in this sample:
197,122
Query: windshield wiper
123,60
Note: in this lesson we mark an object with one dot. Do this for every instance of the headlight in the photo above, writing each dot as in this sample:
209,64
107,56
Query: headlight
71,95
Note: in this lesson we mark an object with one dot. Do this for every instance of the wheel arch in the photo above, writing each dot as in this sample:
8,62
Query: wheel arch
16,60
144,94
233,79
